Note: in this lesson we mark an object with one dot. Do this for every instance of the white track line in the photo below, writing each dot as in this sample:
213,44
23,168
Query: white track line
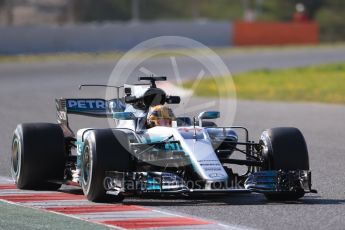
6,192
214,224
60,203
123,215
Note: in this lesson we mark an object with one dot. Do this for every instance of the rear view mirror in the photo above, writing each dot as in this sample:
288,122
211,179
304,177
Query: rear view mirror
124,116
209,115
173,100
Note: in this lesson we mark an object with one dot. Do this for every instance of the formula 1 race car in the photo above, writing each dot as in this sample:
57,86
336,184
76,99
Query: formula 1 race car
150,151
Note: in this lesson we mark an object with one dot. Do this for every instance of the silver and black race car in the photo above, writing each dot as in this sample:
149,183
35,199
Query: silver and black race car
189,156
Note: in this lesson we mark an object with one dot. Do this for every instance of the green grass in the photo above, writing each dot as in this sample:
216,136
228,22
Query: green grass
18,217
321,83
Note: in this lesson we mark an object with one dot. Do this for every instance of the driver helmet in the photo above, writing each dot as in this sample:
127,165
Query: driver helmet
160,115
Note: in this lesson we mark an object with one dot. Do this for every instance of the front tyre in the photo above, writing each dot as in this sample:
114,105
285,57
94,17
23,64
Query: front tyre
284,148
104,150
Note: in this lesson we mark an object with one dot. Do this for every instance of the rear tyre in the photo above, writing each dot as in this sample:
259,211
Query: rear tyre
38,155
284,148
104,150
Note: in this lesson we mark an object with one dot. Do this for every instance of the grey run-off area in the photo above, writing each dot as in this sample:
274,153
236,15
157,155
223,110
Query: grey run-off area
27,93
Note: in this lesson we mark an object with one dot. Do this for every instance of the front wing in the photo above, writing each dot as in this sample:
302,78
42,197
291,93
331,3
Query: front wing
168,183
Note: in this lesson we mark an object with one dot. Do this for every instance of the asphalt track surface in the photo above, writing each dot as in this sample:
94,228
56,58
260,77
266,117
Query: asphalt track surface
27,93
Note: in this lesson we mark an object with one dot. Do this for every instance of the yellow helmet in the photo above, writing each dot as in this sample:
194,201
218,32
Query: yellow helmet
160,115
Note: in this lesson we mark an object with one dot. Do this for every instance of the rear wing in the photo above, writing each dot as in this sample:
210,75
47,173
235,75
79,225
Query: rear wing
93,107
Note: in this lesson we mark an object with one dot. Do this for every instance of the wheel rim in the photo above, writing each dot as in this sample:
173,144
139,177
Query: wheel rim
87,166
15,159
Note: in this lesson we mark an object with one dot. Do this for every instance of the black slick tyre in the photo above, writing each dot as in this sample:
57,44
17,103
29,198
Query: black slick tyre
284,148
37,156
104,150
